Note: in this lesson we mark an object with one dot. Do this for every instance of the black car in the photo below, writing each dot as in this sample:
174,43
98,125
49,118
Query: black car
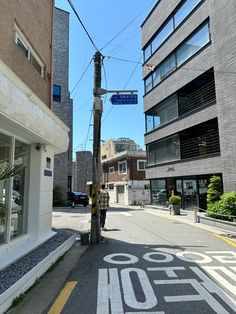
78,198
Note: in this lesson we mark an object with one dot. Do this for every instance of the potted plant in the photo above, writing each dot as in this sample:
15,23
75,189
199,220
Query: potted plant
175,204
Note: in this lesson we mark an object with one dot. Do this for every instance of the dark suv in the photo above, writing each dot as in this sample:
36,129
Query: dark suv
78,198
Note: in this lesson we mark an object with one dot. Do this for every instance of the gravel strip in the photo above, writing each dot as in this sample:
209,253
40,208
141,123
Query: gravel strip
12,273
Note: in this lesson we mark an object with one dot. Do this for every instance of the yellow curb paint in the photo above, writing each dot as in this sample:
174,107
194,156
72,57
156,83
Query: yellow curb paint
225,239
62,298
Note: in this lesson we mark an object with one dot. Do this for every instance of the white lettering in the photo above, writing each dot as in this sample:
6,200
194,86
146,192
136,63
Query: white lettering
230,258
212,287
170,271
109,292
204,295
204,258
214,271
129,293
167,257
131,259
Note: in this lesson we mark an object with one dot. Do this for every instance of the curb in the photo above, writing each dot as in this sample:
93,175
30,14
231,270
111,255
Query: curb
38,299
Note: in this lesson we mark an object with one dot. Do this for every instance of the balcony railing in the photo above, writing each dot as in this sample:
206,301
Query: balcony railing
206,144
201,97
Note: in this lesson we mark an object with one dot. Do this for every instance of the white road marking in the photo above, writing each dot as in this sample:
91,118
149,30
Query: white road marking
131,259
129,294
168,258
204,258
230,257
214,272
170,271
126,214
212,287
109,291
204,295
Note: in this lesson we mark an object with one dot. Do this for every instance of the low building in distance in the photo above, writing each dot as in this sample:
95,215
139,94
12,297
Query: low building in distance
123,171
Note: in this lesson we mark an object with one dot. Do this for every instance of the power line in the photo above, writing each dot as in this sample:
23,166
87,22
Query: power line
125,26
77,15
87,137
70,94
135,68
125,60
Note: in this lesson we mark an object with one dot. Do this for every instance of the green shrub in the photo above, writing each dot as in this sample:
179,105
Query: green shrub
223,208
175,200
214,189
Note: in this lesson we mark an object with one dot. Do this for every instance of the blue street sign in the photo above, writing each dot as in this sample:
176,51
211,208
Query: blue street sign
124,99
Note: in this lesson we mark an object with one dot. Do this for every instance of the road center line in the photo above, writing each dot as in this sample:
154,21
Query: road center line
61,300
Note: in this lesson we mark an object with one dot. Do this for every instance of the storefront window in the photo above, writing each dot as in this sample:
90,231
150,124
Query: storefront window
13,190
18,215
158,192
5,144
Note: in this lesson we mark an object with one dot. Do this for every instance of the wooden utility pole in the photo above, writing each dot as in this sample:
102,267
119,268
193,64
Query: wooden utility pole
97,114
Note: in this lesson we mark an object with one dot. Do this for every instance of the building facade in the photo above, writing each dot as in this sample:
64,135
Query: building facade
190,96
62,103
30,133
123,172
82,171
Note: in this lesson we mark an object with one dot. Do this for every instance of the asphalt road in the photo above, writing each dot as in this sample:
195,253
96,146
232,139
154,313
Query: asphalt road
151,264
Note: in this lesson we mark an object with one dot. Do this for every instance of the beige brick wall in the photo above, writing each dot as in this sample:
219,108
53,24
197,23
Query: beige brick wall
34,19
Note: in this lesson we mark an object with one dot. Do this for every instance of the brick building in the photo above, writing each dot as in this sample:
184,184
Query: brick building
190,96
62,103
30,133
124,172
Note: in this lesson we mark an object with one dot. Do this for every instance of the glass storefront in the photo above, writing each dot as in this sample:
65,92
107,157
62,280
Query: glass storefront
193,190
13,191
5,148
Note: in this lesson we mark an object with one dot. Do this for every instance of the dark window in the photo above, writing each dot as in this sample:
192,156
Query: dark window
56,93
23,48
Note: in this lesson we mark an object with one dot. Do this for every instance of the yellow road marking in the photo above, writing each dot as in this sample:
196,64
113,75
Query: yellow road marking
61,300
225,239
160,215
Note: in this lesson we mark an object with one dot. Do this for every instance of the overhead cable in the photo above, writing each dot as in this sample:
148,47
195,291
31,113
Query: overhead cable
77,15
125,26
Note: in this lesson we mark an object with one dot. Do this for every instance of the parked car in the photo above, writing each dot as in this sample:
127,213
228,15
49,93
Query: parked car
78,198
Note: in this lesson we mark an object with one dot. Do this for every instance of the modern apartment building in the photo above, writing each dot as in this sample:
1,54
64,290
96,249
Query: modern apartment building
189,75
123,172
62,103
30,133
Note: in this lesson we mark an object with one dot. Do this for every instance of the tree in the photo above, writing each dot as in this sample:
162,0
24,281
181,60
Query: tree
214,190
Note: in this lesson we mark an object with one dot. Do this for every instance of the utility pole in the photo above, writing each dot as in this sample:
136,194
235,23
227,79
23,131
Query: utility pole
97,114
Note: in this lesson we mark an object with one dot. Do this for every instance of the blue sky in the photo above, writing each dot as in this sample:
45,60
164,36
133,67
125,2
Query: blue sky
104,19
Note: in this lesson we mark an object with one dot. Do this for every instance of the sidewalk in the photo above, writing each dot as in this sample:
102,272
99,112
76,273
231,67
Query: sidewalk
188,218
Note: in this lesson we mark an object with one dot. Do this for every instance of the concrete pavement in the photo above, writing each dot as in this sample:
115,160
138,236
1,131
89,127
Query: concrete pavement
39,299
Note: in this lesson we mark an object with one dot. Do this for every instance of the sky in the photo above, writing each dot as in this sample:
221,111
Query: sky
116,26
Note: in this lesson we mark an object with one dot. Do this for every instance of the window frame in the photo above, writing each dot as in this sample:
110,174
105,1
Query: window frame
123,162
149,45
56,97
138,164
19,36
174,54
